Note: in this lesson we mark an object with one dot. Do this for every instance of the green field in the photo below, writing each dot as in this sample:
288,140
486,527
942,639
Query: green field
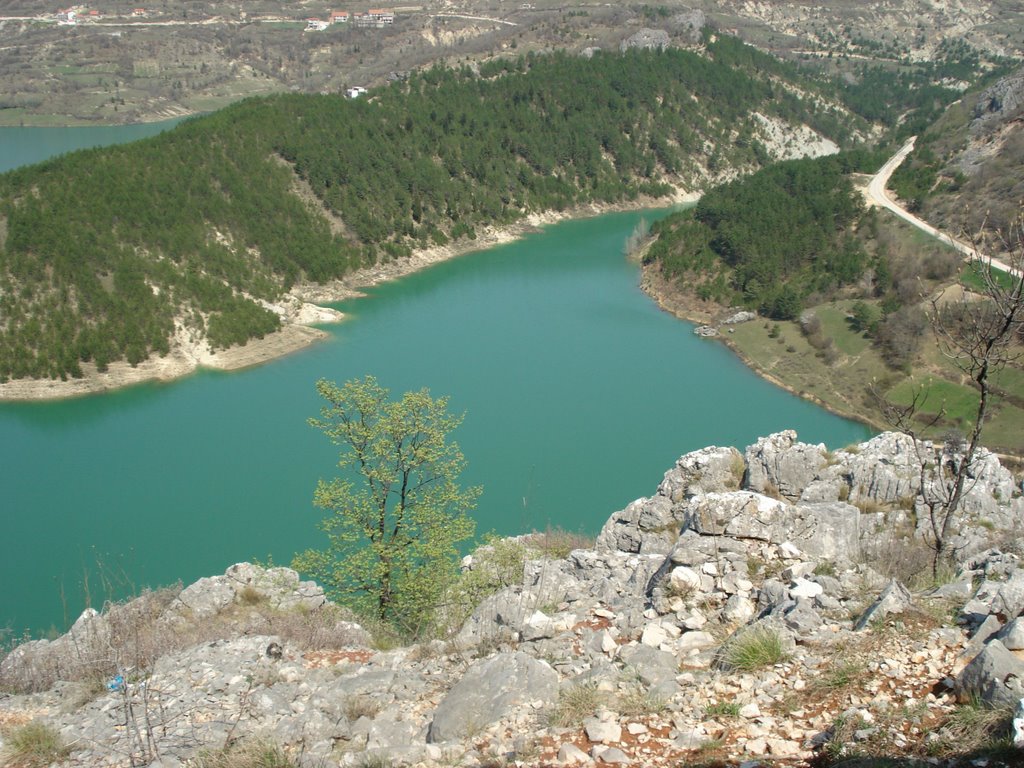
851,382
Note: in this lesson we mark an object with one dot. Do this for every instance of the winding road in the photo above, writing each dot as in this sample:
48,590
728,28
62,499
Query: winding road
876,194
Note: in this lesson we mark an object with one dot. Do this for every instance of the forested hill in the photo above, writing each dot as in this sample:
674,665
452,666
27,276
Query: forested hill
106,254
768,240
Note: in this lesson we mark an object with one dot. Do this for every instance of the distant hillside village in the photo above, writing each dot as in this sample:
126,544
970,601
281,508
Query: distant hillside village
375,18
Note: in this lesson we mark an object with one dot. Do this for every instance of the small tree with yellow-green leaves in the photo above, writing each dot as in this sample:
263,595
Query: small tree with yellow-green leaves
397,512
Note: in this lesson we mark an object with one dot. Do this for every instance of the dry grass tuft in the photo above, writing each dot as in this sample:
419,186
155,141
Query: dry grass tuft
251,754
557,543
753,648
574,704
33,745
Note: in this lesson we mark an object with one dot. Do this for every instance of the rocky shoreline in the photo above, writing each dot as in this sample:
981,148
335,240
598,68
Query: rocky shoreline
627,653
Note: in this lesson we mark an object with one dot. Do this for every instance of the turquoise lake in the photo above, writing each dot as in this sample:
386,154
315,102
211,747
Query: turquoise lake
579,393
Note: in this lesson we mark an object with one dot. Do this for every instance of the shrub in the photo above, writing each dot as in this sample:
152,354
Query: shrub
497,564
899,335
753,648
33,745
825,568
249,595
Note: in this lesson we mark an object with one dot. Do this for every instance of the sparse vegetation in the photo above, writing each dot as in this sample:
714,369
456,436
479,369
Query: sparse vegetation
134,639
722,709
843,675
359,706
556,543
973,728
737,470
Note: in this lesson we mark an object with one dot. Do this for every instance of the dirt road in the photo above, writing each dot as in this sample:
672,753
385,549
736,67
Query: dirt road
876,194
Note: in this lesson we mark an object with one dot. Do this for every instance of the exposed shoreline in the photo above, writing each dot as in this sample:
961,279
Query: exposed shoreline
692,310
299,311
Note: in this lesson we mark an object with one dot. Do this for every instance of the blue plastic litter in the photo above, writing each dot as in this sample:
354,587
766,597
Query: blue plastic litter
115,684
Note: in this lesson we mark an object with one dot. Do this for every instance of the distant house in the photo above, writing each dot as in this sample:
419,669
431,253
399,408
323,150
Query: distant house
338,17
70,16
355,92
381,16
318,25
138,12
375,17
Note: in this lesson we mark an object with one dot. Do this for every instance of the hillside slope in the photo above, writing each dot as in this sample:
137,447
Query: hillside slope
967,171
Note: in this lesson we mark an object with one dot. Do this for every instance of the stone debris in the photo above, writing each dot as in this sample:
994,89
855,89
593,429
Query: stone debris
643,628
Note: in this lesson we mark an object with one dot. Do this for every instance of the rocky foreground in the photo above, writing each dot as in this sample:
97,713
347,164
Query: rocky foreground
761,607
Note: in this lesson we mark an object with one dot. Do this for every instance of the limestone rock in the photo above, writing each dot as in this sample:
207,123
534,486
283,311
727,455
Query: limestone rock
802,619
739,515
650,39
281,587
1000,101
690,23
206,597
1012,635
610,756
895,598
570,754
650,665
827,531
885,469
780,464
995,676
651,525
490,689
602,731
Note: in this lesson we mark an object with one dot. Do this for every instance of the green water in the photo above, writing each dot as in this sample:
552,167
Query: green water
23,146
579,394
